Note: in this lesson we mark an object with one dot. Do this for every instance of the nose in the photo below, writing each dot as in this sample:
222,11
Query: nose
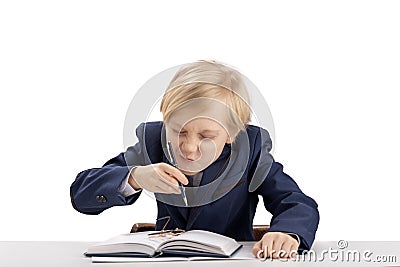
190,148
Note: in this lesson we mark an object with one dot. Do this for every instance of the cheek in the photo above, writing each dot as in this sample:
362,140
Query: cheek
208,145
175,139
213,147
171,135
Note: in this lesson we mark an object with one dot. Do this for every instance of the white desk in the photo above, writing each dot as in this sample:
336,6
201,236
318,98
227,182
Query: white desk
37,253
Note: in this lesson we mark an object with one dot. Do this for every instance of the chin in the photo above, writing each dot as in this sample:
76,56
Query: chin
187,165
190,173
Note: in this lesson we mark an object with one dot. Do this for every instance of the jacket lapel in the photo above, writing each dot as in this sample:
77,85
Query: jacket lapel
204,195
232,165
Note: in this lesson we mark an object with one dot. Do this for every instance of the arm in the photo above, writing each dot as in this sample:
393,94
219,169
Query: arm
293,211
97,189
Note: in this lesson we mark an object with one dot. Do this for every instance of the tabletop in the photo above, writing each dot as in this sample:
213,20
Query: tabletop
66,253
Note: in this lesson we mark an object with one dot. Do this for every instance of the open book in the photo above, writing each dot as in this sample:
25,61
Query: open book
191,243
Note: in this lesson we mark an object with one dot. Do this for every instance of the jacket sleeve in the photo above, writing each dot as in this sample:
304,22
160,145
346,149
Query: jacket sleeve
95,190
292,211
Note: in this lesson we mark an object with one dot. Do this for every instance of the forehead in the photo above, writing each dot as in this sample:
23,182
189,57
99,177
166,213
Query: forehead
205,112
200,108
197,124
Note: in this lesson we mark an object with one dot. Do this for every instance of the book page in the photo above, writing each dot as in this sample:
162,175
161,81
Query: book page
136,238
192,242
204,240
242,254
132,242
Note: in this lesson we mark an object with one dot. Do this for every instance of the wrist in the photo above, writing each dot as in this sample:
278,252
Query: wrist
132,182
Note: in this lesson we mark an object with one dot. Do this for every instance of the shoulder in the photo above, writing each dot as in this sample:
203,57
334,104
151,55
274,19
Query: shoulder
150,132
252,130
258,137
150,136
149,128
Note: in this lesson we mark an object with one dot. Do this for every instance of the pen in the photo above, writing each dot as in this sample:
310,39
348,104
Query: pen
173,161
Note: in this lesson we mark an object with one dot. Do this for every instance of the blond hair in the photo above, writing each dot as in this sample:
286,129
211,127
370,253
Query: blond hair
209,79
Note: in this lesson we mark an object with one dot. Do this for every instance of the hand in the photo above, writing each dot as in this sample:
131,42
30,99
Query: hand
276,245
157,178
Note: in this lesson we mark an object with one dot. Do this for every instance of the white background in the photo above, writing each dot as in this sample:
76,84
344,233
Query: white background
329,71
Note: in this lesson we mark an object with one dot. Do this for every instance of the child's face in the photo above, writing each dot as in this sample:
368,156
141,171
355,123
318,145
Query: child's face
196,143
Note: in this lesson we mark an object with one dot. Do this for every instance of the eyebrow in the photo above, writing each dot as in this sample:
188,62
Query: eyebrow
204,131
210,131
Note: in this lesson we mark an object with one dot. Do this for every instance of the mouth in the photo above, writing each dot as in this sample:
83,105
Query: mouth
187,159
190,166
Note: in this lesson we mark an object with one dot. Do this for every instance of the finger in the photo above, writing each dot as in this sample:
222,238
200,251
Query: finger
165,184
165,189
164,176
168,179
286,247
293,250
256,248
277,249
267,246
170,187
175,173
156,189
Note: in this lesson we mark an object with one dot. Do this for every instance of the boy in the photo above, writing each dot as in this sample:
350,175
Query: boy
223,161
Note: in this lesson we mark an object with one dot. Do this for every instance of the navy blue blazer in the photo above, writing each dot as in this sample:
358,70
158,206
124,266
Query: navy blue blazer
224,205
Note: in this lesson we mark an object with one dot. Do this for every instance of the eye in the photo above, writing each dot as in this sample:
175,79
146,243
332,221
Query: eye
207,136
177,132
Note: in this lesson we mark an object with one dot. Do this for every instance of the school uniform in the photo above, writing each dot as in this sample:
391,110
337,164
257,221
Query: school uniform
224,202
